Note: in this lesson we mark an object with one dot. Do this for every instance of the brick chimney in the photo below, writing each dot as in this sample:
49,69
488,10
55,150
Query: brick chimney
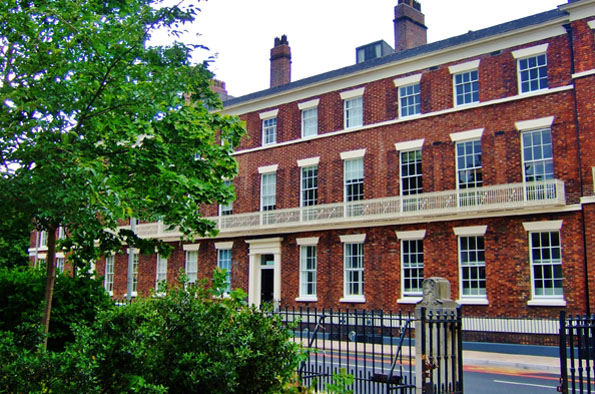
280,62
410,28
218,87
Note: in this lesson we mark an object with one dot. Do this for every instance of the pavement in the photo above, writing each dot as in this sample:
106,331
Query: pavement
512,361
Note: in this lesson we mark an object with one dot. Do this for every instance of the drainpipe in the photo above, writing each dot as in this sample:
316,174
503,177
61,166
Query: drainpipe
568,28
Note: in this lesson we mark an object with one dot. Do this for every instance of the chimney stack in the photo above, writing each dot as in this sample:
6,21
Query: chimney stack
218,87
410,28
280,62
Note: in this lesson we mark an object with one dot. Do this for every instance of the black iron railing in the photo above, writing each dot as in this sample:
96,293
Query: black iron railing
375,347
577,354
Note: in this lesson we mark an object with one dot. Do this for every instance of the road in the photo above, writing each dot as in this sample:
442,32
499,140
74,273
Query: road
477,380
484,380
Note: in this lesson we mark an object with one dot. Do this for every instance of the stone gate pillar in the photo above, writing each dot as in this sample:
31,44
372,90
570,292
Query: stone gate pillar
438,361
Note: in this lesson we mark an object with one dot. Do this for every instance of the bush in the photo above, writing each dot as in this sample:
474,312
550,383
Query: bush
25,369
191,341
76,300
188,341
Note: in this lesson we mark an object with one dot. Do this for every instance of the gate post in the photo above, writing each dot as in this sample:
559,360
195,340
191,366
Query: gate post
563,388
438,360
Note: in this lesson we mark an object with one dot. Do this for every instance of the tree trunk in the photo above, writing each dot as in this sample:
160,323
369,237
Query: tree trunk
49,283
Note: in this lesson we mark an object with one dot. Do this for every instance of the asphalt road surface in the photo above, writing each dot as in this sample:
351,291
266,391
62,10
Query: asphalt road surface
477,380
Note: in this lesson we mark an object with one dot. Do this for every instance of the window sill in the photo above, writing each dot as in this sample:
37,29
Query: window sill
547,302
353,300
410,117
533,92
473,301
466,105
307,299
409,300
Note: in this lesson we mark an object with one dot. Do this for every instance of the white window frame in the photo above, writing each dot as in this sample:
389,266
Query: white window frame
226,209
405,83
460,70
353,108
525,54
269,123
407,236
412,109
350,241
61,233
59,264
268,191
191,257
269,131
108,278
545,227
349,178
304,244
43,239
306,173
309,118
160,271
477,169
471,232
224,261
415,163
542,161
135,263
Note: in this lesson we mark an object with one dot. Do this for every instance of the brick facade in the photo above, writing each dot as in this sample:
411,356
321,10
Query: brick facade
509,276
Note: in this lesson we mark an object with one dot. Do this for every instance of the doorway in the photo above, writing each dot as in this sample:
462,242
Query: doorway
267,278
264,279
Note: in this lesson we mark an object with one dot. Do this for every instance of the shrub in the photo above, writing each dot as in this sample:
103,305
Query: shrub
190,340
76,301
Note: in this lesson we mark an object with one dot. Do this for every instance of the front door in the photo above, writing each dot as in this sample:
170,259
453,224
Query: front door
267,278
266,285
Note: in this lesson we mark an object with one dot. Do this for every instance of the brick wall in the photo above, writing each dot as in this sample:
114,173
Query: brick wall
506,253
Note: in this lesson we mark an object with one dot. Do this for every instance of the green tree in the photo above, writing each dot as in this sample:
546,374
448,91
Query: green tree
14,240
97,126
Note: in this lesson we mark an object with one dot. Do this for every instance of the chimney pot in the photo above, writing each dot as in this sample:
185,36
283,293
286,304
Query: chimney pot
280,62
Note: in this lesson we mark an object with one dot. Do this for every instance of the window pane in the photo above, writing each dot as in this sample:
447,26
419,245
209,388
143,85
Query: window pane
466,86
309,122
308,270
354,269
412,267
546,264
354,112
533,73
472,266
538,155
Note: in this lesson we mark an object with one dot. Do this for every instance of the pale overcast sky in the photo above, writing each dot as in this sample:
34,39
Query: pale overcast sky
323,34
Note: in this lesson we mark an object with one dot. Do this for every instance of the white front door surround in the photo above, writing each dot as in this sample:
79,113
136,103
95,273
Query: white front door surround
258,248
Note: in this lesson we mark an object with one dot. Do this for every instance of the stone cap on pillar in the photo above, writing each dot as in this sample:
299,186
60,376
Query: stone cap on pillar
436,294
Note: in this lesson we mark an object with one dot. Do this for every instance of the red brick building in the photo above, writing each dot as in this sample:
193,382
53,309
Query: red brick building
470,158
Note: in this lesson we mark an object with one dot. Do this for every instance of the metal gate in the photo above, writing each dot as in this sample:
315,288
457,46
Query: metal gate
380,350
376,348
577,354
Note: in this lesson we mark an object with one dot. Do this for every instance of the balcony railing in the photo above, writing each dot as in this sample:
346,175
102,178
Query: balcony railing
447,203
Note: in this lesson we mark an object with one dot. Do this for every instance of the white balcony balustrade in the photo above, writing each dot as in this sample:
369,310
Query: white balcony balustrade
505,198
